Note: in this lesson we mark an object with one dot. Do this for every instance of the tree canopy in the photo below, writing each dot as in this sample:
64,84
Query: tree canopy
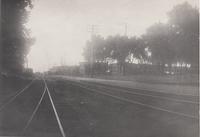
184,21
163,43
15,36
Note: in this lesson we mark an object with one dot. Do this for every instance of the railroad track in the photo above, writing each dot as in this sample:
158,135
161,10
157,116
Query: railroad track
155,102
169,96
184,107
175,98
12,98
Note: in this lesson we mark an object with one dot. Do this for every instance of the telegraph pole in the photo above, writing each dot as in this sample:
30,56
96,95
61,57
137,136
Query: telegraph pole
26,62
125,29
0,51
93,31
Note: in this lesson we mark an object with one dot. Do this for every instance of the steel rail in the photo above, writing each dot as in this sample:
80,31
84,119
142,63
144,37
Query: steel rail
35,110
138,103
55,111
96,82
16,95
142,94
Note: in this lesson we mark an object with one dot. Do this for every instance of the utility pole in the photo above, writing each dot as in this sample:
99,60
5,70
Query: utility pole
26,62
1,62
93,31
48,60
125,29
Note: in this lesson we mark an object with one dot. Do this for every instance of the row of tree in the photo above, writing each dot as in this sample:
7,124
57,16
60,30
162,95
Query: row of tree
16,40
175,41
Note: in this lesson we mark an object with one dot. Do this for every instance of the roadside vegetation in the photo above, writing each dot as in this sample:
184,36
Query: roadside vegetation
171,47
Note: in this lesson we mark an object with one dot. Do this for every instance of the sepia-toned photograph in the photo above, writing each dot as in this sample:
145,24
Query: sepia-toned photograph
99,68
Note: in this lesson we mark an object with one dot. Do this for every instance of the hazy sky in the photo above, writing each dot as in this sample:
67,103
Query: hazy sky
61,26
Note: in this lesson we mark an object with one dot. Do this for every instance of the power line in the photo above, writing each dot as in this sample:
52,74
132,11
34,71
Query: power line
125,29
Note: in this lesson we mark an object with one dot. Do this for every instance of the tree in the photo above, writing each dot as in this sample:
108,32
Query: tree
120,49
15,37
175,41
137,48
94,49
158,40
94,52
115,47
184,21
